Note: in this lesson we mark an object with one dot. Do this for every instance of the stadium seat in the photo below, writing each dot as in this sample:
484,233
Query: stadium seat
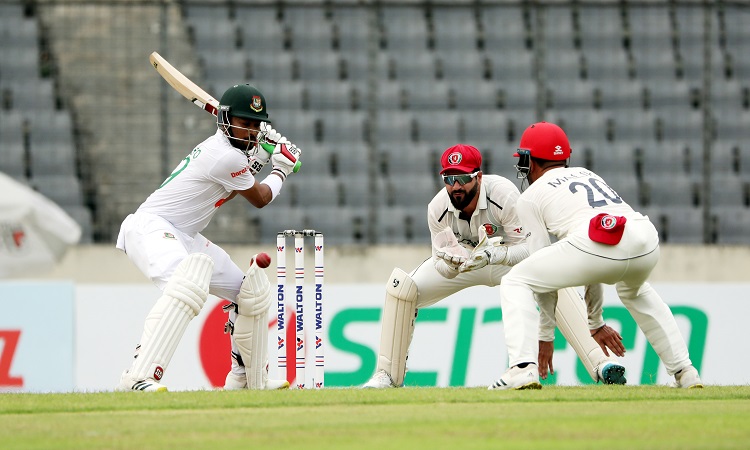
83,217
343,126
455,29
465,66
395,127
558,30
298,126
319,65
224,67
351,25
512,65
601,28
570,93
413,65
439,127
12,159
271,65
398,225
426,95
402,162
505,32
309,29
732,225
484,126
676,225
728,191
65,190
210,36
405,27
475,95
266,34
334,95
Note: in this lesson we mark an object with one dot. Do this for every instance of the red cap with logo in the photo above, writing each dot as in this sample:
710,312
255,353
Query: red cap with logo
462,158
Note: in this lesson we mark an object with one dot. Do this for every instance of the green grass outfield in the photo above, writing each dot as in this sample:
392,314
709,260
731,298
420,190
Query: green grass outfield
601,417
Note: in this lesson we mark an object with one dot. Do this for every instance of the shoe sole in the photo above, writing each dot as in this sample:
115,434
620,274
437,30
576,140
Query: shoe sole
534,385
696,386
614,374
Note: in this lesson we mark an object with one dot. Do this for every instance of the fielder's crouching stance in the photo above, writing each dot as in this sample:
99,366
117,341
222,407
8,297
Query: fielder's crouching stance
163,239
460,217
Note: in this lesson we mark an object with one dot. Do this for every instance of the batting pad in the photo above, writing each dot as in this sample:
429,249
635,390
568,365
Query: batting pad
399,314
251,326
183,298
572,321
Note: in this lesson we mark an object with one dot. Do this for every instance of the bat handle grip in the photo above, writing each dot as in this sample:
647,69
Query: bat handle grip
267,147
270,148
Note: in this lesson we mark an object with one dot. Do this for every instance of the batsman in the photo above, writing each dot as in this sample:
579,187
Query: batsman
476,239
163,239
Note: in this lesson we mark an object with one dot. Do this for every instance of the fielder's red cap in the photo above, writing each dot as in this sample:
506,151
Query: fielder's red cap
606,229
462,158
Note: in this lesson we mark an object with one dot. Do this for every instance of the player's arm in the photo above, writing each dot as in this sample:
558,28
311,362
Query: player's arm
285,159
261,193
604,335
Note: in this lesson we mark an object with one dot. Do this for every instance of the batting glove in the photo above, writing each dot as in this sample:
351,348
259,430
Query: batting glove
268,134
285,159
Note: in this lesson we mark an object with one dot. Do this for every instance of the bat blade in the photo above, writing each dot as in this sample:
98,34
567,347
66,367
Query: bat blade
183,84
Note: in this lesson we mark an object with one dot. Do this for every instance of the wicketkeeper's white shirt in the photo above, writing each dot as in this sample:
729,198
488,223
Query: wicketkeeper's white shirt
495,213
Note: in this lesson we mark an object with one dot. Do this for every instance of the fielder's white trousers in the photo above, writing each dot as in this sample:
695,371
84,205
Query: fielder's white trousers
562,265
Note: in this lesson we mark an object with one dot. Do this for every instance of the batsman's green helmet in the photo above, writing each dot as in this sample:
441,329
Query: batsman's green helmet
246,101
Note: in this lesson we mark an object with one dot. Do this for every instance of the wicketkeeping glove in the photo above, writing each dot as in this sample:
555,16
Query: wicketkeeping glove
487,251
449,250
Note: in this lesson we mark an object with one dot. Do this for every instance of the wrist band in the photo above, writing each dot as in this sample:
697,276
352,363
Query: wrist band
275,183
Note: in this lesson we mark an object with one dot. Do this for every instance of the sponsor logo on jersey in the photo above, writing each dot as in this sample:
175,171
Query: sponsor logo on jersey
490,229
168,235
256,104
240,172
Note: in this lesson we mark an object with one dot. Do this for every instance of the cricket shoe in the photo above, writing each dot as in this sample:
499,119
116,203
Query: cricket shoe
611,373
235,382
127,383
687,378
518,379
381,380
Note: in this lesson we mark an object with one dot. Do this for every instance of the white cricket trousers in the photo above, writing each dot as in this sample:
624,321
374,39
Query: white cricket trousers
562,265
520,316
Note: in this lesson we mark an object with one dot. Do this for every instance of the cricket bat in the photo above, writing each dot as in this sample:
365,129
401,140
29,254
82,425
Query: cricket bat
198,96
184,85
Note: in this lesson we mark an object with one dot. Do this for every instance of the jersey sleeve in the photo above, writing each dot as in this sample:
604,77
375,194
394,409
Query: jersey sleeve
513,228
232,171
530,215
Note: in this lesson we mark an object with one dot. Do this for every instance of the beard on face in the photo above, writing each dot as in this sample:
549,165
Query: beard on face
467,197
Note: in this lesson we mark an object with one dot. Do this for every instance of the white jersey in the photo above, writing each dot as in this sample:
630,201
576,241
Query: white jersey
495,213
563,201
200,184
